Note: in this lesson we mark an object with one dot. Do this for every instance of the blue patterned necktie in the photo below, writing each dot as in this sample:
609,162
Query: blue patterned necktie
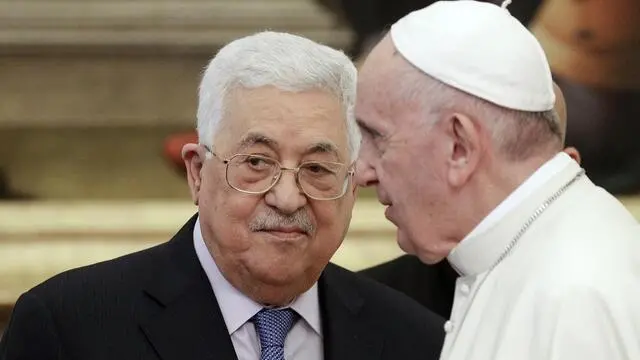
272,326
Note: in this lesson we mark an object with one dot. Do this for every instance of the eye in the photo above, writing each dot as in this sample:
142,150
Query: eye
320,169
258,162
369,132
317,168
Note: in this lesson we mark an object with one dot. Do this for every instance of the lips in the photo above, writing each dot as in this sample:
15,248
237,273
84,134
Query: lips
284,236
287,230
284,233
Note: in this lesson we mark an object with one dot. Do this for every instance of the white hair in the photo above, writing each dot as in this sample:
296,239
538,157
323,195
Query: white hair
285,61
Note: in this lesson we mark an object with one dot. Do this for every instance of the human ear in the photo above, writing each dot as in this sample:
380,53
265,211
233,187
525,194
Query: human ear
193,157
465,143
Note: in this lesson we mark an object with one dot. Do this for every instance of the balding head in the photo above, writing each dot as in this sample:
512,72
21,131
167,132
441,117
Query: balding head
561,109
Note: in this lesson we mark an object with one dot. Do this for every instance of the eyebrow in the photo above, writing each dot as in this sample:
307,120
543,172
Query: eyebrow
366,128
255,138
323,147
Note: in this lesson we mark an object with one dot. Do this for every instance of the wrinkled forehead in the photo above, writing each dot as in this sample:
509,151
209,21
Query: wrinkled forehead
560,107
378,63
377,81
285,123
258,138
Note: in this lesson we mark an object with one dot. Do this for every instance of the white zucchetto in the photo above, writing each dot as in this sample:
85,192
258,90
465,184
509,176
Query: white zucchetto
478,48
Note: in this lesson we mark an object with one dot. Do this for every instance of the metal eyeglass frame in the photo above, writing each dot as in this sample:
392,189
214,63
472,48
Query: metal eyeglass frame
295,170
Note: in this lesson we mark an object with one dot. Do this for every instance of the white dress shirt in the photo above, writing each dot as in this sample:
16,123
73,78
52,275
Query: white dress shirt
304,341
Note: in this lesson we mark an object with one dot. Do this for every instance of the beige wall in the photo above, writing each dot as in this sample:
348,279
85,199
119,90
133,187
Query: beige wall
89,89
92,125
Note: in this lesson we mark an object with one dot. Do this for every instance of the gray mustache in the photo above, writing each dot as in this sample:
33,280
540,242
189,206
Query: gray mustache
271,219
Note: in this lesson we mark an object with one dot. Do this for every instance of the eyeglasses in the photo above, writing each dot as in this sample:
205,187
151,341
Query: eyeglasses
257,174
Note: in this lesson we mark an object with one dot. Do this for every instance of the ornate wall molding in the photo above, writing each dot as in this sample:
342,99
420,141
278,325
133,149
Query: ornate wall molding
195,24
100,63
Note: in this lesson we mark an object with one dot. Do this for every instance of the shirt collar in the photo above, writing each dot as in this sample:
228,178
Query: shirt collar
476,253
236,307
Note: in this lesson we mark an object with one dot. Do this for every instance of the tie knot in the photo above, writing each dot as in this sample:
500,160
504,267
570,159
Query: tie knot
273,325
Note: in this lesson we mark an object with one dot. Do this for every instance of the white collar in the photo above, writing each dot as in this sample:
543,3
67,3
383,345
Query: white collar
236,307
471,257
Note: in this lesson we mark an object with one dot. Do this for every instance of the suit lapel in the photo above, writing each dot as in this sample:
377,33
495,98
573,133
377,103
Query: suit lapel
181,318
179,313
346,332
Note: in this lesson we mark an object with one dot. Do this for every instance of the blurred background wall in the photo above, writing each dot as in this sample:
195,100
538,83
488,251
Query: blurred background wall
97,95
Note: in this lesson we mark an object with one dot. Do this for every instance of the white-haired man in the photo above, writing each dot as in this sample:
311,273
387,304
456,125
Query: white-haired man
248,277
463,144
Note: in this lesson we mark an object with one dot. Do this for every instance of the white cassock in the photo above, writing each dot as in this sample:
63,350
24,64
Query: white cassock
569,288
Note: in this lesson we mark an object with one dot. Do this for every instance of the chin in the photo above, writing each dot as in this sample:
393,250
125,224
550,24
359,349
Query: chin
275,296
405,243
406,248
429,259
410,247
281,276
278,285
277,270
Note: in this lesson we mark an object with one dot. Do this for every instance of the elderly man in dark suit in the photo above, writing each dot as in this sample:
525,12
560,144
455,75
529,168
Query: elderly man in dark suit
248,276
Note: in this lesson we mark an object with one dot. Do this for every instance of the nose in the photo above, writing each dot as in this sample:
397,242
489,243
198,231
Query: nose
286,195
365,173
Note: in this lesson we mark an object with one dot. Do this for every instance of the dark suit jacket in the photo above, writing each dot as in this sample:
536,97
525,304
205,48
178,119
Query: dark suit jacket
159,304
431,285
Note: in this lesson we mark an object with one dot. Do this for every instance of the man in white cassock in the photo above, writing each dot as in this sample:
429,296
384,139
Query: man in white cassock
462,142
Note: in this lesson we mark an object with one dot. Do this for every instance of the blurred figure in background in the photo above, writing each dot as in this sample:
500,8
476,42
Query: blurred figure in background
369,18
594,51
7,192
